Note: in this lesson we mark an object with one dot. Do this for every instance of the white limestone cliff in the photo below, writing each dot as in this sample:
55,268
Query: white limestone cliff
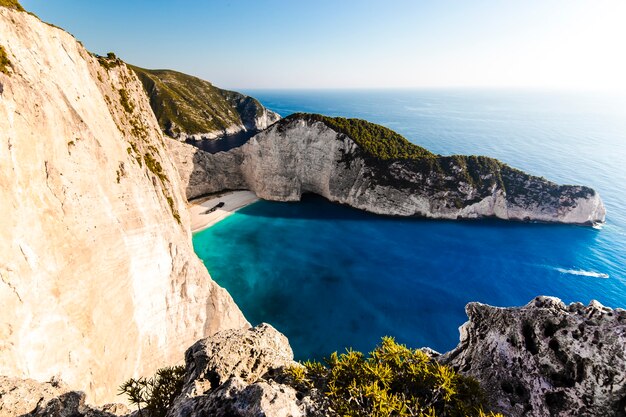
298,155
99,281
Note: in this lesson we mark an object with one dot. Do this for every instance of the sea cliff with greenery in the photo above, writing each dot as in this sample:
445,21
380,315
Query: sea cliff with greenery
188,107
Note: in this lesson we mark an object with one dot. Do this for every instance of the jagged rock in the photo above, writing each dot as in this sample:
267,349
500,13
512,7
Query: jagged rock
301,154
29,398
546,358
95,246
231,374
244,353
22,396
543,359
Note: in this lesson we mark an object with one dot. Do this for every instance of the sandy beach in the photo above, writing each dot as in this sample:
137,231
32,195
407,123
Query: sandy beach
232,201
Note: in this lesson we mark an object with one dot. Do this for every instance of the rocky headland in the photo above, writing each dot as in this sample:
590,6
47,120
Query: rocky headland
372,168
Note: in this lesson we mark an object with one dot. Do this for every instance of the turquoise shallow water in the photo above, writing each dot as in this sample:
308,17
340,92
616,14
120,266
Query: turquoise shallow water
330,277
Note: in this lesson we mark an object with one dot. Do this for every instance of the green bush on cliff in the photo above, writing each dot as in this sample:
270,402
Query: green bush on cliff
186,104
12,4
125,100
4,61
155,395
376,140
392,381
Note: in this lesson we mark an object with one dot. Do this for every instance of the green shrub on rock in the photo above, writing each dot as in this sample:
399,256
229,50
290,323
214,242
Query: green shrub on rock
4,61
12,4
155,395
392,381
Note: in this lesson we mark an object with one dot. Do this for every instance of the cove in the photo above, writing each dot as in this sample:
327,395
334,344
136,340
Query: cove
331,277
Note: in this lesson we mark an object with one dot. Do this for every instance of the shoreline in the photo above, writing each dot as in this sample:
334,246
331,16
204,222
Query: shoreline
232,201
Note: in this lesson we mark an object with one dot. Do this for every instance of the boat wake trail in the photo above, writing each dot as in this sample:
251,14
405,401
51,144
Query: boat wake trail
580,272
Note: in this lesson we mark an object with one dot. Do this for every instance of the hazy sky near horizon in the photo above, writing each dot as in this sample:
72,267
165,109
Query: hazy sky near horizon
239,44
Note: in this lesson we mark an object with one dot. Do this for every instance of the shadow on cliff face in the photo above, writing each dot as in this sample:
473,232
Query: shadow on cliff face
223,144
310,207
213,169
315,207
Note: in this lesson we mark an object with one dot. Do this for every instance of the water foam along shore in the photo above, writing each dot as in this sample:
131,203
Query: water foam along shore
207,211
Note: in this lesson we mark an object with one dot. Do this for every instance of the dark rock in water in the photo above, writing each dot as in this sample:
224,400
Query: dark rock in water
546,358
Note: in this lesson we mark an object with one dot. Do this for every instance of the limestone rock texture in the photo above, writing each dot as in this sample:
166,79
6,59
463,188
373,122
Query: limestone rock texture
297,155
29,398
98,278
205,173
230,374
542,359
546,358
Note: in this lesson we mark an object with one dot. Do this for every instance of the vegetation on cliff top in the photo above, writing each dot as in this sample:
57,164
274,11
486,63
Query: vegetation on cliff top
384,146
186,104
377,140
109,61
392,381
12,4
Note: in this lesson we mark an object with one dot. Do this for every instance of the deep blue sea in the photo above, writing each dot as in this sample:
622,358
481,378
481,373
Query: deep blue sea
331,277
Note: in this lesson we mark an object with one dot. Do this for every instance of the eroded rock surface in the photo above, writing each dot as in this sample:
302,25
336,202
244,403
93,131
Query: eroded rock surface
300,154
231,374
203,172
543,359
546,358
29,398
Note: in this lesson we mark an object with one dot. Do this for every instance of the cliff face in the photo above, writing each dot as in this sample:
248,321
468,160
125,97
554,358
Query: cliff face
546,358
203,173
190,108
303,154
99,280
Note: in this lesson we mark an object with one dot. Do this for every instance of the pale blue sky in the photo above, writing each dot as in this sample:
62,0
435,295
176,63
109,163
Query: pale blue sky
560,44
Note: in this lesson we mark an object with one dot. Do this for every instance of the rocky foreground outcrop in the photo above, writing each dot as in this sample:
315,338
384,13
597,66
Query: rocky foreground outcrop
546,358
29,398
543,359
232,374
309,154
98,277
